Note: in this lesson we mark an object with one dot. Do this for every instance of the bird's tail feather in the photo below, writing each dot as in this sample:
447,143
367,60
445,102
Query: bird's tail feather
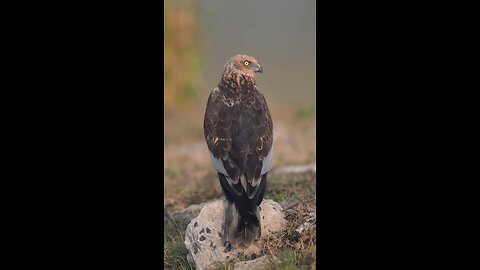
240,227
242,217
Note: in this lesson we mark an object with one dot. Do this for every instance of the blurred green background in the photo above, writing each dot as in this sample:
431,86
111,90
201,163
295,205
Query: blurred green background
200,36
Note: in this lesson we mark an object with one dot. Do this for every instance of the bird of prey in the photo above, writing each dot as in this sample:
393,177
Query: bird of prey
238,130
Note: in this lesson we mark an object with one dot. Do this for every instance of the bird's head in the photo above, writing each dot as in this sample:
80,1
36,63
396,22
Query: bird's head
246,64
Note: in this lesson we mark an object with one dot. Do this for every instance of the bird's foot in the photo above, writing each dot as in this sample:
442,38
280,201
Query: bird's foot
228,246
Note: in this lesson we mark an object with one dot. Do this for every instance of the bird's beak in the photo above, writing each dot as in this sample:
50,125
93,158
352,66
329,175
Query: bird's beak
259,69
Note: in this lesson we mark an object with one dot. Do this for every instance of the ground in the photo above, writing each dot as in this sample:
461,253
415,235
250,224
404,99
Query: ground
189,178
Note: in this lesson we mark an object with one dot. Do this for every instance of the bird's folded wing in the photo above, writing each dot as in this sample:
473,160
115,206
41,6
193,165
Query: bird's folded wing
240,139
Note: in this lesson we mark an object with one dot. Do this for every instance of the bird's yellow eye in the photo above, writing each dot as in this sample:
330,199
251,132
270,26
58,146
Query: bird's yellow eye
246,63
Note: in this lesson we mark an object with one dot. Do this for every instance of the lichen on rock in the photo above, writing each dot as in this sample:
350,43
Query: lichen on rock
203,234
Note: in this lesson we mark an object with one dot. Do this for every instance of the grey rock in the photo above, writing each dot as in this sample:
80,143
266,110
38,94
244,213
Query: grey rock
312,168
190,212
257,264
204,240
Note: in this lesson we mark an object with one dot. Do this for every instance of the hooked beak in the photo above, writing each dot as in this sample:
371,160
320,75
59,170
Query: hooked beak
259,69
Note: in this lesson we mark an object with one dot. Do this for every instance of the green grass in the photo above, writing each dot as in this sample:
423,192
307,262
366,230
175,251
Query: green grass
290,259
186,93
170,173
294,250
277,197
305,112
175,252
286,262
281,188
230,265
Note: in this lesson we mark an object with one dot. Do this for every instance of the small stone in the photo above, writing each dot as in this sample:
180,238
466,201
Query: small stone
202,231
202,238
208,230
258,263
195,224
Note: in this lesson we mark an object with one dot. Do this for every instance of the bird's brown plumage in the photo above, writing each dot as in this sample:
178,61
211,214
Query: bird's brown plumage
238,131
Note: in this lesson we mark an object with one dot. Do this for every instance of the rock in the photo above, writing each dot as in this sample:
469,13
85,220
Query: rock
296,169
257,264
203,234
189,212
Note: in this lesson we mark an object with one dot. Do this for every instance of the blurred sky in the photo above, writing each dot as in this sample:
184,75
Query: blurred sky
279,33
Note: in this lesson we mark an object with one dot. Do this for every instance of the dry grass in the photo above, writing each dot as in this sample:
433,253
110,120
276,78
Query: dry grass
174,250
295,250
